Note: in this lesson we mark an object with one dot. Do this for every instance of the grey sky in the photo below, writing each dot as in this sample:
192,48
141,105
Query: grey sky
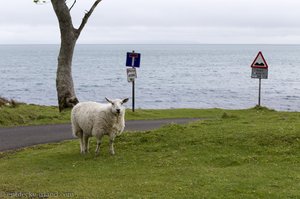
158,21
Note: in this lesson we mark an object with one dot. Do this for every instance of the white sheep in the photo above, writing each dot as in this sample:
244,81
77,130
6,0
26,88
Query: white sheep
95,119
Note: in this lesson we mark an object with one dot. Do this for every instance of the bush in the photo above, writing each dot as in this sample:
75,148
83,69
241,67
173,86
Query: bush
6,102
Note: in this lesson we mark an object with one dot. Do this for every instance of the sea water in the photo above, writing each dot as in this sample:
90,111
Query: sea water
170,76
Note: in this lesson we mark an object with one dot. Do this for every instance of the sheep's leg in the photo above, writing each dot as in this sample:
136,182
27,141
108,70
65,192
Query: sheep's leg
111,143
98,144
85,143
81,145
80,136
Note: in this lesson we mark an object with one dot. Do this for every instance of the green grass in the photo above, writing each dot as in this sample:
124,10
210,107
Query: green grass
24,115
251,153
32,115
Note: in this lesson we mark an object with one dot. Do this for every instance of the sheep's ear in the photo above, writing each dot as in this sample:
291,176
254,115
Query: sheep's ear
125,100
108,100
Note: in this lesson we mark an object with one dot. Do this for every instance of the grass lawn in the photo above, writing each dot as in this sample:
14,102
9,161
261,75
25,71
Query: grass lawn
251,153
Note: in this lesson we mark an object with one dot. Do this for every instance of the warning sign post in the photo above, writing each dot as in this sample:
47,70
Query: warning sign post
259,71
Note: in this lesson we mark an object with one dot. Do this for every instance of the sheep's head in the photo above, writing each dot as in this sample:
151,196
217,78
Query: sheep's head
117,105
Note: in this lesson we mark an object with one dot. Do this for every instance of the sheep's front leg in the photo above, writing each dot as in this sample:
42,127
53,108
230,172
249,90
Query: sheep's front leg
111,143
99,138
85,143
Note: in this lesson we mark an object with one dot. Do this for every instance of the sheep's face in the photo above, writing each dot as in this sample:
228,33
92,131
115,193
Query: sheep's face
117,105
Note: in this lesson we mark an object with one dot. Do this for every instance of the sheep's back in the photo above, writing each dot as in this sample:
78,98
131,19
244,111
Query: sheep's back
85,114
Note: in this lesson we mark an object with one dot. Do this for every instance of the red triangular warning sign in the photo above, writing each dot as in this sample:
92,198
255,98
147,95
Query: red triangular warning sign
259,61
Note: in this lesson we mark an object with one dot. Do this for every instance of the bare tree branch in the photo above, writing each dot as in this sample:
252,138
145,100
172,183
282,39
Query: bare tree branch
86,17
72,5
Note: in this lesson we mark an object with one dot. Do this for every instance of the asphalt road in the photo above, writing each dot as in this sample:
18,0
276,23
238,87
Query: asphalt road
19,137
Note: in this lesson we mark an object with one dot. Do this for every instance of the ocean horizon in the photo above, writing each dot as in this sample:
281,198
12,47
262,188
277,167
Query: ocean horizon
170,76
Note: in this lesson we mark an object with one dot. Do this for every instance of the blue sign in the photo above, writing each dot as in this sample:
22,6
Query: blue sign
133,59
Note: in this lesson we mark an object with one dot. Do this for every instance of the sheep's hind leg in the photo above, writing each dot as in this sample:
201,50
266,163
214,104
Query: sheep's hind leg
80,136
85,139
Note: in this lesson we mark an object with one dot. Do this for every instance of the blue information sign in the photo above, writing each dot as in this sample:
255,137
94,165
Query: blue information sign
133,59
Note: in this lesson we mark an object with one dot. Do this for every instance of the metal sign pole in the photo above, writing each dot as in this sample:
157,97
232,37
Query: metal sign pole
132,60
133,95
259,92
133,85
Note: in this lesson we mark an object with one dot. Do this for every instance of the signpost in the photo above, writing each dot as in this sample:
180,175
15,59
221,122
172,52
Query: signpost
133,60
259,71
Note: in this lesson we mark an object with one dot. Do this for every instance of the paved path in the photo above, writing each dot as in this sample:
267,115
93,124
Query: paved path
18,137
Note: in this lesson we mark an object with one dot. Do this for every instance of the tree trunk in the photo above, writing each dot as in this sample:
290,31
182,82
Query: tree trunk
69,35
64,81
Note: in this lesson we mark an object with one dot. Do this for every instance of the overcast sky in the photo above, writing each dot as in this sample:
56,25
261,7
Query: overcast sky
158,21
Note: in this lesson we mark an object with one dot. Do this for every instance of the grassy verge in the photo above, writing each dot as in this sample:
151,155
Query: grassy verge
251,153
24,115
